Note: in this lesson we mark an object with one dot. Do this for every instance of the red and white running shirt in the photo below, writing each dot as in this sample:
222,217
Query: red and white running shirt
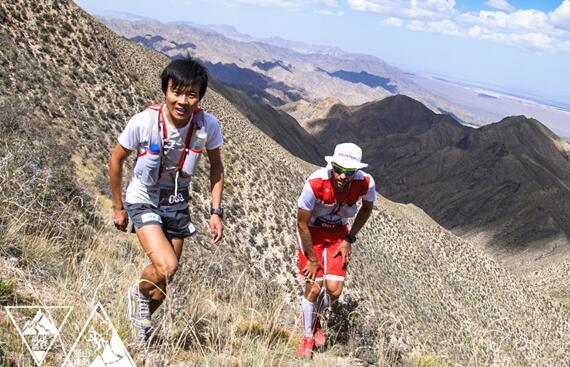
319,198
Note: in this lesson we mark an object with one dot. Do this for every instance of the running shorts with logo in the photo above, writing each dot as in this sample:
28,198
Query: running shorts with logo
325,244
175,223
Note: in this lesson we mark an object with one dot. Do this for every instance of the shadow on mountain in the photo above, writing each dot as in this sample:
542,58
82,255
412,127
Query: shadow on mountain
252,83
452,115
150,41
268,65
371,80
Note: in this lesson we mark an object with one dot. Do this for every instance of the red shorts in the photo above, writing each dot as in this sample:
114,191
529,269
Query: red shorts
325,244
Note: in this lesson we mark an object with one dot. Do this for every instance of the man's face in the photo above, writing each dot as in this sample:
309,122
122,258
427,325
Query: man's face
181,101
342,177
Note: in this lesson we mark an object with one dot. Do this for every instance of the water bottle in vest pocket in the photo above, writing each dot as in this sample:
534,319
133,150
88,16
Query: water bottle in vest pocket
147,166
151,165
195,149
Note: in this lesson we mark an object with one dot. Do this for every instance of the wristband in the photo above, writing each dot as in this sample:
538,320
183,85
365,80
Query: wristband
350,238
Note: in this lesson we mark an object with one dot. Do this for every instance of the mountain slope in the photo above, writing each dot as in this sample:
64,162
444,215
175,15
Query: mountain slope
505,186
416,291
278,125
511,179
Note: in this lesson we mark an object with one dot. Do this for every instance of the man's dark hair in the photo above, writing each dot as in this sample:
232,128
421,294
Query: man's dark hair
184,73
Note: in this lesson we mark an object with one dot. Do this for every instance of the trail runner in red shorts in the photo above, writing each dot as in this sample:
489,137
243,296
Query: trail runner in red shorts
330,196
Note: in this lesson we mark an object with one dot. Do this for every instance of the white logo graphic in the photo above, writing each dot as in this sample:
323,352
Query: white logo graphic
150,217
39,332
99,344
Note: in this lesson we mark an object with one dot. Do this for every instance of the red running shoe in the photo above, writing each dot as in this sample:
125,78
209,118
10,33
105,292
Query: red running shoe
319,334
306,347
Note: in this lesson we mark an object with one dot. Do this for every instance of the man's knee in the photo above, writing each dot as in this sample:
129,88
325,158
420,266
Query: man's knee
334,292
166,269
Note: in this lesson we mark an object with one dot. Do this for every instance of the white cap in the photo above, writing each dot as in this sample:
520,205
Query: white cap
347,155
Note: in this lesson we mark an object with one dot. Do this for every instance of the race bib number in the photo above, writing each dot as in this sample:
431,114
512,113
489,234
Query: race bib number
169,198
323,223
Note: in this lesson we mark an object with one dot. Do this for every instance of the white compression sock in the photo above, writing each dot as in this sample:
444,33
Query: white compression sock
309,313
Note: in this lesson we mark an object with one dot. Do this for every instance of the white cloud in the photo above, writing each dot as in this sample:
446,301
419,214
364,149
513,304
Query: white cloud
560,17
445,26
565,46
500,4
411,9
530,28
534,40
520,20
331,13
392,21
366,5
288,4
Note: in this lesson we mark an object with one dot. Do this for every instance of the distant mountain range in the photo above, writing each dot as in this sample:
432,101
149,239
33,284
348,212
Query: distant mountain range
277,71
318,72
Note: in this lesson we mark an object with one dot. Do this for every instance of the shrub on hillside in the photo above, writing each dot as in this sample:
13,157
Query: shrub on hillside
39,193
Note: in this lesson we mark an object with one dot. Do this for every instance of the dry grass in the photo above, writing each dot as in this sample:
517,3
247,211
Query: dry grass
218,312
210,317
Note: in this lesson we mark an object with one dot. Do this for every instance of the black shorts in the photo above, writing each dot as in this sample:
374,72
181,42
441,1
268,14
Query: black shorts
175,223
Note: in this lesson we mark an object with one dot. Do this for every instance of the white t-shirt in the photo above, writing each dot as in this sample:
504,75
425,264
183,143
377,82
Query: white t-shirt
135,137
319,198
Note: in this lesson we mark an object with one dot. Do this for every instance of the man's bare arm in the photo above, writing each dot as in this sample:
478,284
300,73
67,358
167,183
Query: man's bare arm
120,216
362,216
217,188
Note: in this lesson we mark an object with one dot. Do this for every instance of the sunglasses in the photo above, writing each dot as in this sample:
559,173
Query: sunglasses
349,172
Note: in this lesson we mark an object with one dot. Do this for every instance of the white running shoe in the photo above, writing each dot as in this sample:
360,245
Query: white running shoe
139,313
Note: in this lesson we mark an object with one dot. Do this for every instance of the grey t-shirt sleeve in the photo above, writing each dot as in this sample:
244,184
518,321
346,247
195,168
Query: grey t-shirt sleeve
215,139
135,133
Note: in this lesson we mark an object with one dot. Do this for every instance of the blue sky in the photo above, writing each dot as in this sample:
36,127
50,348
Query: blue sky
520,46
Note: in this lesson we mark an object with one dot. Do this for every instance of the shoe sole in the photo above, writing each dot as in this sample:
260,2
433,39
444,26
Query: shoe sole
135,322
320,344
